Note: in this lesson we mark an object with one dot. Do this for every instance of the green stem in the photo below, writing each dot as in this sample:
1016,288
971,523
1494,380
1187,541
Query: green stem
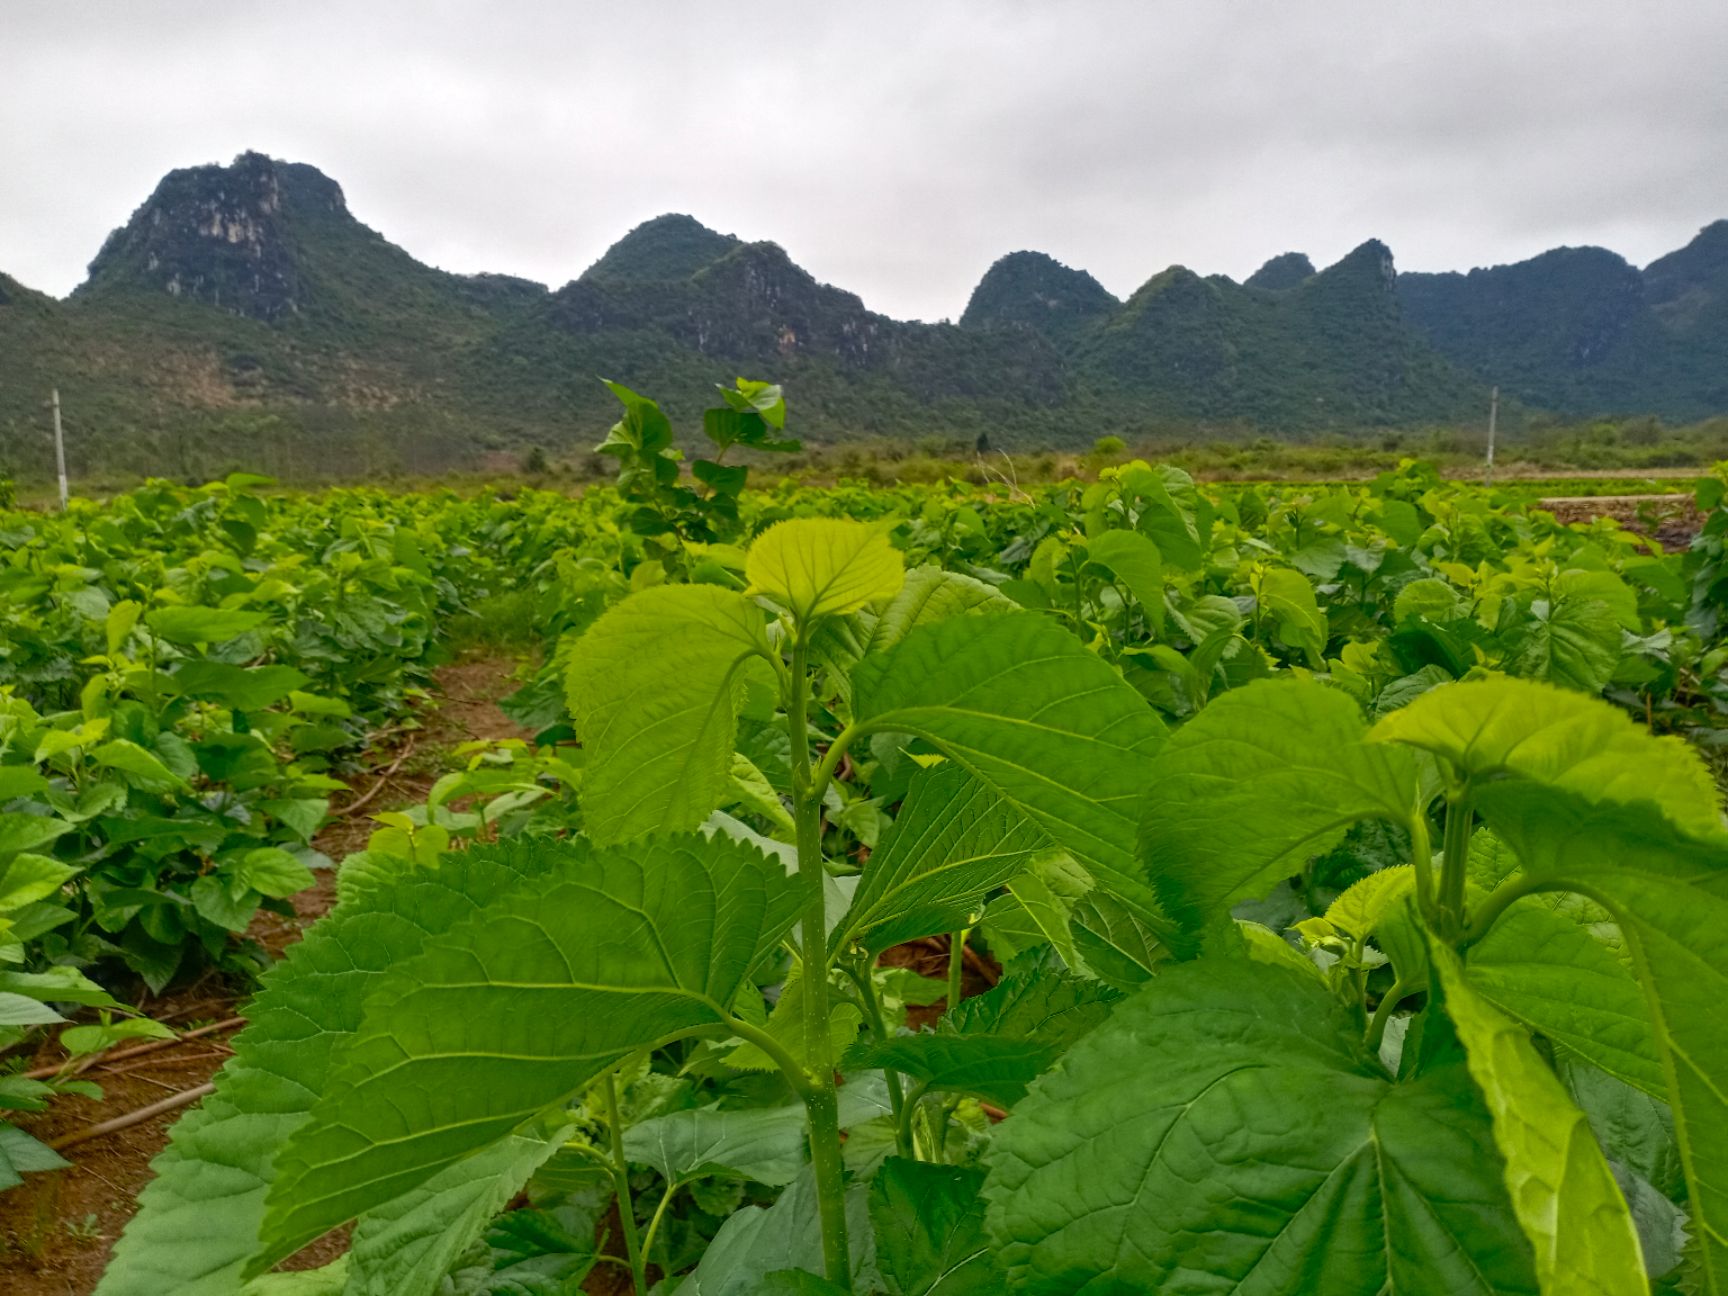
947,1108
879,1028
1504,895
831,762
1422,859
903,1134
1455,866
584,1149
672,1186
621,1184
820,1102
1400,991
956,966
797,1075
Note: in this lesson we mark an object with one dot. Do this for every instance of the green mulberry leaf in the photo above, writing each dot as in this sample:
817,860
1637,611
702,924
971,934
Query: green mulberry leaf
1569,641
203,625
22,1154
1138,564
1548,971
1669,893
929,1224
1560,1185
820,567
1265,777
765,1145
198,1221
246,688
931,594
1497,728
1288,597
612,950
410,1243
1031,713
756,1244
995,1044
655,686
954,840
1227,1131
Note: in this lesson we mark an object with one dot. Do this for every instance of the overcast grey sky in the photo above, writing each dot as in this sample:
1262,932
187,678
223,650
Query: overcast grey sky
893,149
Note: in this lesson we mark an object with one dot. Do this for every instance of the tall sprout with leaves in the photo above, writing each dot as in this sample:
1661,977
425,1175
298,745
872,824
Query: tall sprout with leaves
717,643
668,510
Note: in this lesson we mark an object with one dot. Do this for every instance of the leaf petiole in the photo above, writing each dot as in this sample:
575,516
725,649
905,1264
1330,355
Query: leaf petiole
872,1007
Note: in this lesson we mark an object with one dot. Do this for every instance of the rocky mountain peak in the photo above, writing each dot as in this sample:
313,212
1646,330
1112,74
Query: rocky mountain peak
222,235
1369,262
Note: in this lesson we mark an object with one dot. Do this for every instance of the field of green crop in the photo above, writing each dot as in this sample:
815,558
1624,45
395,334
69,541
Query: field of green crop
1107,887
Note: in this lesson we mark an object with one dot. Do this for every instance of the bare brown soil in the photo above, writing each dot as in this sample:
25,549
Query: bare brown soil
929,958
1670,520
57,1229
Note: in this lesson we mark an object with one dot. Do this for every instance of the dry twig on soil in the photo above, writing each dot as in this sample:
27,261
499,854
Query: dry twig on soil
136,1050
132,1118
352,806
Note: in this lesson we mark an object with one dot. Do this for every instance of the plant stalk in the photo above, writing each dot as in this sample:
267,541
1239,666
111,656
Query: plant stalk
1422,860
1400,991
947,1109
956,966
1504,897
672,1186
1455,867
906,1129
821,1102
879,1028
621,1185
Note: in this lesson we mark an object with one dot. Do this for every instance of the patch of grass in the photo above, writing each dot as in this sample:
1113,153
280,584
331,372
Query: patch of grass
88,1229
501,623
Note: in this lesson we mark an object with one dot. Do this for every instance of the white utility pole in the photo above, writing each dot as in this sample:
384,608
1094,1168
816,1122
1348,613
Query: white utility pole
59,450
1493,418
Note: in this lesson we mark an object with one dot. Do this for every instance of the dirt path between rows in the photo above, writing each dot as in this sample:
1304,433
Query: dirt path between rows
56,1230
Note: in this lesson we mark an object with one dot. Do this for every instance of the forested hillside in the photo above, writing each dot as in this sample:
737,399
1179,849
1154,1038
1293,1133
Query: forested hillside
246,304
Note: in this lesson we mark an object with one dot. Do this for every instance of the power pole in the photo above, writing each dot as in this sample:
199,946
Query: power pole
1493,419
59,450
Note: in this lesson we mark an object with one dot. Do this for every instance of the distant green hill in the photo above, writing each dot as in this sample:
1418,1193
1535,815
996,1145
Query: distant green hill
1332,350
1281,272
1038,291
1581,331
660,250
244,314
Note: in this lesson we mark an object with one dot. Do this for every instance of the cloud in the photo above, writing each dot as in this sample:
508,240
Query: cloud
895,149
